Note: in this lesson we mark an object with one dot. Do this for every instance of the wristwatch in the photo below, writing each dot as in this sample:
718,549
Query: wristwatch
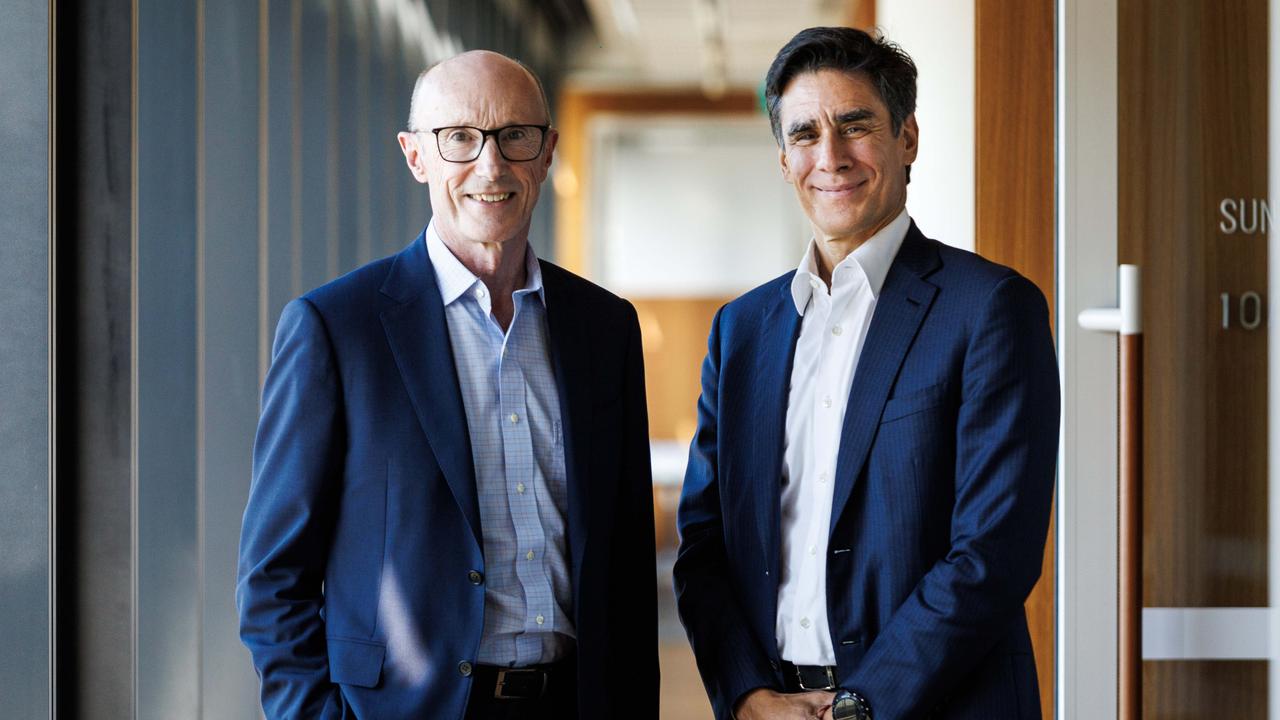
849,705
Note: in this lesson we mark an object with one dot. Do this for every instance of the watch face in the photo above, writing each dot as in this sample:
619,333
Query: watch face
848,706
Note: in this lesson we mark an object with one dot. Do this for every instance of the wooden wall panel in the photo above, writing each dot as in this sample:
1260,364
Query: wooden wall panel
675,341
1013,162
861,14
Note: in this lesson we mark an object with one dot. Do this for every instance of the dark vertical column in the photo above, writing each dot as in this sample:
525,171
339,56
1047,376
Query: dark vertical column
400,82
283,17
168,558
380,142
345,106
227,379
364,113
332,108
413,209
312,124
542,234
25,379
94,528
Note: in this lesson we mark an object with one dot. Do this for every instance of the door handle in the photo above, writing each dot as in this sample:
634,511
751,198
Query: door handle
1126,320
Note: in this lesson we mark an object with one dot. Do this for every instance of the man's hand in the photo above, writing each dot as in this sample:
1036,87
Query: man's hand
765,704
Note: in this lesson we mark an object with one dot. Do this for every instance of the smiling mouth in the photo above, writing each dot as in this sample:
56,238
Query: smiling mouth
491,197
842,188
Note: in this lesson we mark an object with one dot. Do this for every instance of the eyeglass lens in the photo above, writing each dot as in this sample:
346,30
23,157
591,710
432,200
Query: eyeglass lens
463,144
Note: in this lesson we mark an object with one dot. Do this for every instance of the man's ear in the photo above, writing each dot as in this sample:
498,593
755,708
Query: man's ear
786,168
548,152
412,149
910,137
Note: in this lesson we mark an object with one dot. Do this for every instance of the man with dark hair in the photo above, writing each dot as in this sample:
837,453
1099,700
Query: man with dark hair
451,512
868,492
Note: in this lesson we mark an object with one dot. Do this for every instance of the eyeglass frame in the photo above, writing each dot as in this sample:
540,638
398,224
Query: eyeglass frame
484,138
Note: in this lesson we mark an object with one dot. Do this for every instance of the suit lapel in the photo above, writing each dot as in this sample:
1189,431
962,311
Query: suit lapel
778,334
571,356
419,337
903,303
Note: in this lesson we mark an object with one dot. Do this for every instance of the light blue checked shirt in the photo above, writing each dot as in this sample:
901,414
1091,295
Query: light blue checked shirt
513,417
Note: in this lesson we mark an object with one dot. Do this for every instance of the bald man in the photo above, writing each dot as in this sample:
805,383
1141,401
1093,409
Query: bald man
451,513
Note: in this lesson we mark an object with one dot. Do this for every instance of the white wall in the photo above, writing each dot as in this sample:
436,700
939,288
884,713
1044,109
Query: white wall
691,206
938,35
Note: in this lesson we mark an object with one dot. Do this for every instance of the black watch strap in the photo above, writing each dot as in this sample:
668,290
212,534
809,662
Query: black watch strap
849,705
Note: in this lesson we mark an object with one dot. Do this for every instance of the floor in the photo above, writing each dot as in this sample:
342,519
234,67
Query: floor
683,697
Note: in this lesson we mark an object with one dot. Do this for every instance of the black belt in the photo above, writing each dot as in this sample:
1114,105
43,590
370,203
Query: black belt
800,678
528,683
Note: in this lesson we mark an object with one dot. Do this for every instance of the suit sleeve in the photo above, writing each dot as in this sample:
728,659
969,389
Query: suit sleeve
289,518
730,660
633,595
1006,453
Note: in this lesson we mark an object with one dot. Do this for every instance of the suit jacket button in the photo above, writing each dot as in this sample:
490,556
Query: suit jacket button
464,668
476,577
774,664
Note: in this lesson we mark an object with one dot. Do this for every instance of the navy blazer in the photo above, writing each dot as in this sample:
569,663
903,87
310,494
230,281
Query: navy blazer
944,480
362,530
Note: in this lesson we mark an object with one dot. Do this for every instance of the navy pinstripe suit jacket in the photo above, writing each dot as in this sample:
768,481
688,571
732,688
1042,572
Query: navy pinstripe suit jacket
944,482
357,592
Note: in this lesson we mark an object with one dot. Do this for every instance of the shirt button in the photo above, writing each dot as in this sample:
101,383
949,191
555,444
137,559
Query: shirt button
804,623
476,577
539,619
480,292
514,418
822,476
464,669
826,401
836,330
813,549
520,488
528,555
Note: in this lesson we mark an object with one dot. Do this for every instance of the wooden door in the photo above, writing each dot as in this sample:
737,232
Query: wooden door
1193,178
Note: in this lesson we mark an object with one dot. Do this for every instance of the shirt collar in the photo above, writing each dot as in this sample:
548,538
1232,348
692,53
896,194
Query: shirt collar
455,279
873,257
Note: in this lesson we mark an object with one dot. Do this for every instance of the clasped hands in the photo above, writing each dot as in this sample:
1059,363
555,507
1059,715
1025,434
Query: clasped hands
766,704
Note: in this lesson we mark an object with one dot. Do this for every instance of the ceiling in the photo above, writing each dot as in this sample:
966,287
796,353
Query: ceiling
715,44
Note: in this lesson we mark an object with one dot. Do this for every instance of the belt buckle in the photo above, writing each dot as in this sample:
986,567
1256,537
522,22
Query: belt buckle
499,694
831,679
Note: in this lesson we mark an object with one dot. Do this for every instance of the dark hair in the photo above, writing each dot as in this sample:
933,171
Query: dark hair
888,68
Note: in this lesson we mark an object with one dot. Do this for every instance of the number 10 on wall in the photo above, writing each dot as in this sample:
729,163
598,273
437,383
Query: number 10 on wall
1248,310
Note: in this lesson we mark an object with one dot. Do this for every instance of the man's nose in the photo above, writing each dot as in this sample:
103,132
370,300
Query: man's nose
490,163
833,153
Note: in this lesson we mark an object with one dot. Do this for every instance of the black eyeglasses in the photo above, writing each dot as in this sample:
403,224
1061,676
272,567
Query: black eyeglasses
517,143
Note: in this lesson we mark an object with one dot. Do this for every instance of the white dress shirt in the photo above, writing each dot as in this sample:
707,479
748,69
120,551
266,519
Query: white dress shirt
833,327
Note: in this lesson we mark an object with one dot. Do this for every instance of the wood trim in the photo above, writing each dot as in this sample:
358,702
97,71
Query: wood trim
861,14
1014,195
